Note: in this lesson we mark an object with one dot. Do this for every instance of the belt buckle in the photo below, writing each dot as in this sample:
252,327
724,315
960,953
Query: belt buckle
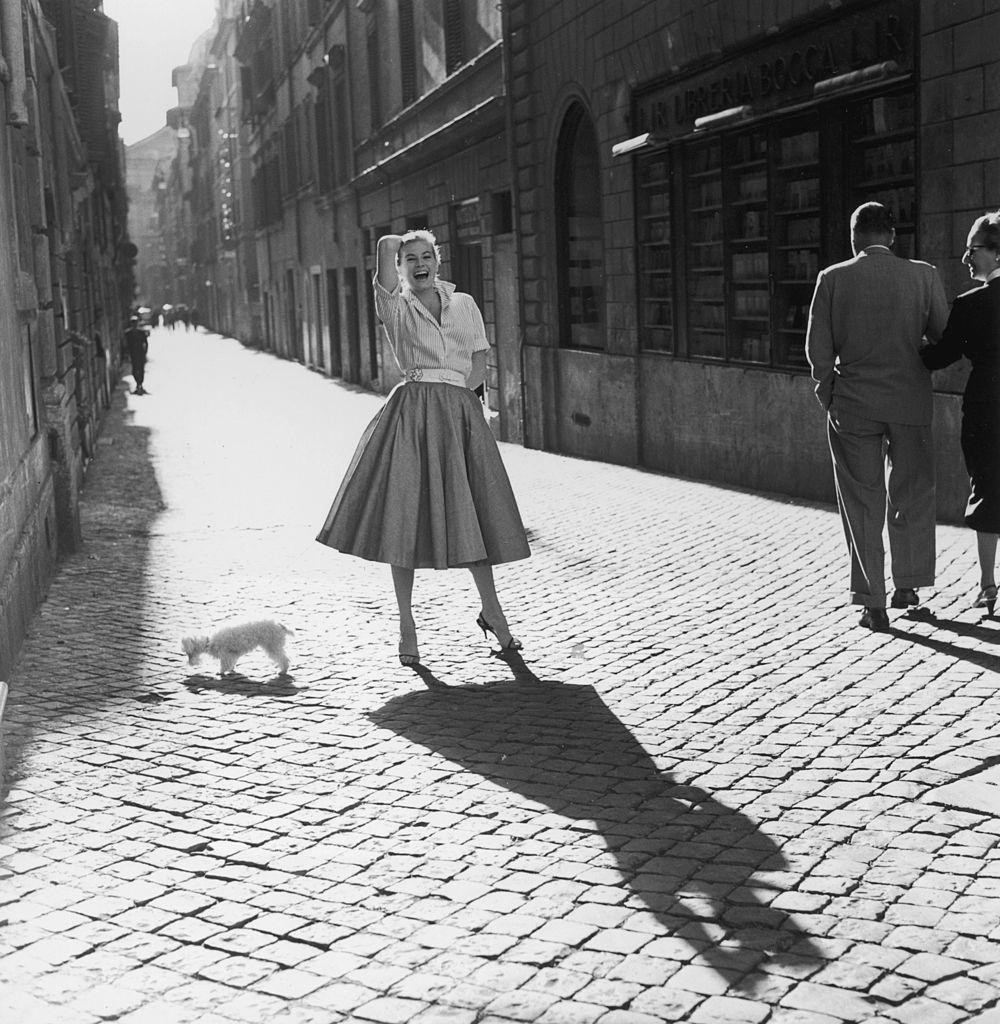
415,374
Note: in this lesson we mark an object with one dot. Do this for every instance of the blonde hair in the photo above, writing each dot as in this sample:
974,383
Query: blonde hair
420,235
988,227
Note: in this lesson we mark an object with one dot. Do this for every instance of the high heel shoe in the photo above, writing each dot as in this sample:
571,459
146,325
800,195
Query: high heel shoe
409,653
986,598
513,644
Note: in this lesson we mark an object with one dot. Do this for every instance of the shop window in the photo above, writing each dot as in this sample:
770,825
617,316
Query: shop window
579,234
656,287
705,277
732,229
883,151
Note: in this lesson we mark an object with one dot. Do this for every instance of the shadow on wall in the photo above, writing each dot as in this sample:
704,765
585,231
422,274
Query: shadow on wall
688,858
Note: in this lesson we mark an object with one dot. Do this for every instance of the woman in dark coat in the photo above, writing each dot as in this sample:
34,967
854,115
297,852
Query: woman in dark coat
973,331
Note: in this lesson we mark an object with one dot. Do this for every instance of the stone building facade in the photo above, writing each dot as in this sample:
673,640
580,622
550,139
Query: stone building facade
684,171
65,283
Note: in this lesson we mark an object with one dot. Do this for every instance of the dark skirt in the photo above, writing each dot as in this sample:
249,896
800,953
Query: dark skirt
426,488
981,448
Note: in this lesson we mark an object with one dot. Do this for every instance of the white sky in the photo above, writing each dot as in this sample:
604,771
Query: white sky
154,37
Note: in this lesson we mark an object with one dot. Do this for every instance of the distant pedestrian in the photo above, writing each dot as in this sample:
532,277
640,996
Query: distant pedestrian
426,487
973,331
868,317
137,345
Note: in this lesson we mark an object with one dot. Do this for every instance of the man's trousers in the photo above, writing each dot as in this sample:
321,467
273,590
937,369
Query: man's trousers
884,471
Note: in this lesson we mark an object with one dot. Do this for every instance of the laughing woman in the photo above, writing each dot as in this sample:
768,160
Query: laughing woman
426,488
973,331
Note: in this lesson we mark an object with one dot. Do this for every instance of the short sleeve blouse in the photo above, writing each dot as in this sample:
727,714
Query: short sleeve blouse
418,340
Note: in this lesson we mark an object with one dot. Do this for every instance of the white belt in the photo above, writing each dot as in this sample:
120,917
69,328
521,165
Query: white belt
434,375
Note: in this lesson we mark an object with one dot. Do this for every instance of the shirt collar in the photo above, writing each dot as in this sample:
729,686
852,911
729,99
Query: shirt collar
993,276
444,288
876,250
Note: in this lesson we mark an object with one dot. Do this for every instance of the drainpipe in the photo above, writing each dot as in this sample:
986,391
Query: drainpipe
11,26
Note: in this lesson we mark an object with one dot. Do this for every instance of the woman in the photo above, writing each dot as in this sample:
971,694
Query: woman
426,487
973,331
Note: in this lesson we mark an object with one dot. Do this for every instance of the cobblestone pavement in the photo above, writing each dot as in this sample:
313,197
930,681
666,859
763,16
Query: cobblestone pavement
703,794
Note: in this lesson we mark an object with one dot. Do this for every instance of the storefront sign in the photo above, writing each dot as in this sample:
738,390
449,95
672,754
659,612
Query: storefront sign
783,72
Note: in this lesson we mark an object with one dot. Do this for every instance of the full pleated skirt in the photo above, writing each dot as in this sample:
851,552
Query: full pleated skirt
981,448
426,488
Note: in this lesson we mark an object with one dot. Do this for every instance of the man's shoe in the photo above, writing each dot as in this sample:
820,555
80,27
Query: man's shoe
904,597
876,619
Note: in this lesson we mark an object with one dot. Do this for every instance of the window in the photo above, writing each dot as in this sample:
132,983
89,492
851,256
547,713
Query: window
323,128
579,234
732,229
407,53
502,210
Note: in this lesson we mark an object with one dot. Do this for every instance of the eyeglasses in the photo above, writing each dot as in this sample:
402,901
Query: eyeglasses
972,248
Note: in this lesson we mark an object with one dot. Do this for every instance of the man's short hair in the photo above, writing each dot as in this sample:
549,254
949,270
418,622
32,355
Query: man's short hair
872,219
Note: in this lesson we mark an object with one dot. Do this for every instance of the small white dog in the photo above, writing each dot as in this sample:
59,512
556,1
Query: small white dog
229,643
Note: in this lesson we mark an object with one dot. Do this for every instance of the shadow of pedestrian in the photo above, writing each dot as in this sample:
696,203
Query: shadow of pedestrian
974,631
684,855
989,662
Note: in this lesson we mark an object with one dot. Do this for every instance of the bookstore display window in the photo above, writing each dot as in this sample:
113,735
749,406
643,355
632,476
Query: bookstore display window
656,300
704,277
733,229
882,146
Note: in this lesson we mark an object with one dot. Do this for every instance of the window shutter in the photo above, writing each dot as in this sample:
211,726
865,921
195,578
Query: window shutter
407,52
374,62
454,35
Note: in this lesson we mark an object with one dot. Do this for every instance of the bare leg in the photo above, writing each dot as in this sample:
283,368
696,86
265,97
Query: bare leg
987,544
492,612
402,582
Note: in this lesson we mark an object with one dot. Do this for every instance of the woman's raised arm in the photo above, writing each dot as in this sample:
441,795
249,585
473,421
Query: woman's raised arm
388,246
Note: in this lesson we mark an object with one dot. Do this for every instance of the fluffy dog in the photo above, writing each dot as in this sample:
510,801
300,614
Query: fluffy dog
229,643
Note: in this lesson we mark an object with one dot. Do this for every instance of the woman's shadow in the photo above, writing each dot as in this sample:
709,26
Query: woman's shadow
688,858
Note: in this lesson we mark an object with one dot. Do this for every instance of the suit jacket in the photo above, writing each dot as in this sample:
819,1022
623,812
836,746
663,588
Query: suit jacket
867,321
973,331
137,344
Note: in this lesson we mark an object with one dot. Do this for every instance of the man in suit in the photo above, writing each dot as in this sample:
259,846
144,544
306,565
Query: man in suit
867,320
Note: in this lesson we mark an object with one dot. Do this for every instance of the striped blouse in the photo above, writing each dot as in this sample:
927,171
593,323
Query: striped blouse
418,340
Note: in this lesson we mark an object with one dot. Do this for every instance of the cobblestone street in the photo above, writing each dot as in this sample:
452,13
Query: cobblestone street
703,793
